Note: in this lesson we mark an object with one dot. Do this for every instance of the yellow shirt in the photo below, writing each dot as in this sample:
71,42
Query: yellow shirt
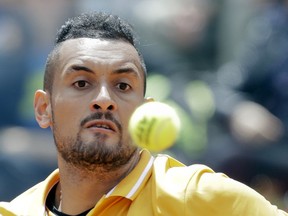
159,186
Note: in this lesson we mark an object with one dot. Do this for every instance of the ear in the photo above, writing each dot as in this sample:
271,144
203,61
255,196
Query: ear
148,99
42,109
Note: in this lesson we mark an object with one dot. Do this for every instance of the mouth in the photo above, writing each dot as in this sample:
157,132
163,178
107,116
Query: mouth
101,125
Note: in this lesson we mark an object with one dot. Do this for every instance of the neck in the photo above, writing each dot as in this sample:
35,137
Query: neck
81,190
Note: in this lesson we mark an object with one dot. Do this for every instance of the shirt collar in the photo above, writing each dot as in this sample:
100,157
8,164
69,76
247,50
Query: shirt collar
130,186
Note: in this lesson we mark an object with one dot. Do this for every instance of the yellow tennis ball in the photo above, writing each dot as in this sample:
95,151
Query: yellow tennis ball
154,126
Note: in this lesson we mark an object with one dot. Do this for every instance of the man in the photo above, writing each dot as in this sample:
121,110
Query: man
94,80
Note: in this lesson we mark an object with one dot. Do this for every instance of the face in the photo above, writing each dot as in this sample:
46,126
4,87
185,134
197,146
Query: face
97,86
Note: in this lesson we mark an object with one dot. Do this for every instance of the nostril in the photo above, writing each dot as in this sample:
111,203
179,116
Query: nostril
96,106
110,107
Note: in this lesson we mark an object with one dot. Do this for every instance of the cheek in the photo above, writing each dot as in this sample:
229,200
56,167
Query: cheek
67,115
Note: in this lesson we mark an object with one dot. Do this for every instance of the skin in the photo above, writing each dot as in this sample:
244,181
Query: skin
94,77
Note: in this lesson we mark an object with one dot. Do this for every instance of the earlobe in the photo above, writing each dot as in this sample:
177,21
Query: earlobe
42,108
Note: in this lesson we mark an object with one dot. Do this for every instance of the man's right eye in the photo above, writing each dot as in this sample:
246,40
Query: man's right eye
81,84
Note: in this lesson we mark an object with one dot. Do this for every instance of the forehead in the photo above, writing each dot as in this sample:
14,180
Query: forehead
97,51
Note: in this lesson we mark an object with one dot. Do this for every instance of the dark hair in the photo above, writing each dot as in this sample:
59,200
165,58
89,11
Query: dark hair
90,25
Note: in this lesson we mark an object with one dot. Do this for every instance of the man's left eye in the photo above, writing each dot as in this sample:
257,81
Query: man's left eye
123,86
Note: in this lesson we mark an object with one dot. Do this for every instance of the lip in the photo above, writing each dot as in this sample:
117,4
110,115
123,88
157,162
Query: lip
101,125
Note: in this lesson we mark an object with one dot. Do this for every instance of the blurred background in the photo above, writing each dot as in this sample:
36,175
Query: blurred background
223,65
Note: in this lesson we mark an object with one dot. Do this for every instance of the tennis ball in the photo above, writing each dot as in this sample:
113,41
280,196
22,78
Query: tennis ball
154,126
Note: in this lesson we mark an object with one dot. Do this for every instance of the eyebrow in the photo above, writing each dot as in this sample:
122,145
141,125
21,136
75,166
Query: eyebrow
128,70
79,68
123,70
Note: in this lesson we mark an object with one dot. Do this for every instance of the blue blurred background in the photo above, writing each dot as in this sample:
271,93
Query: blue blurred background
223,65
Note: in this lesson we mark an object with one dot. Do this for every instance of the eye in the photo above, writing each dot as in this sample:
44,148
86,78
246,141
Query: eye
123,86
81,84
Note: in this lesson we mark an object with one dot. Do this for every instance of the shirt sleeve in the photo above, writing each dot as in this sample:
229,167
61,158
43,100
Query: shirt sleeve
210,193
4,210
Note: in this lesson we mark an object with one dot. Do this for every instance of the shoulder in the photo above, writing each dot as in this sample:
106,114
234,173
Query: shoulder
197,188
21,202
173,176
32,200
170,168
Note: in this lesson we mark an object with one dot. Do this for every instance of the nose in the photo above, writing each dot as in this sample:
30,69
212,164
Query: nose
103,101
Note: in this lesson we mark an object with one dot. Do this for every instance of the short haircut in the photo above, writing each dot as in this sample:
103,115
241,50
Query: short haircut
96,25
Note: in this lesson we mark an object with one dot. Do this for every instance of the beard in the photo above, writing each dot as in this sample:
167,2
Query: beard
90,155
